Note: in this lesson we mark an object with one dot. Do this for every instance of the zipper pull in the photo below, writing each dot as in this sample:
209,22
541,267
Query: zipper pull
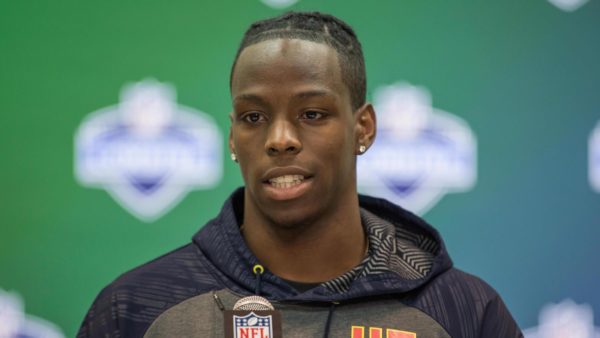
218,301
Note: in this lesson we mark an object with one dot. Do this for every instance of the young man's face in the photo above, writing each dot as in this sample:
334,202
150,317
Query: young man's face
293,130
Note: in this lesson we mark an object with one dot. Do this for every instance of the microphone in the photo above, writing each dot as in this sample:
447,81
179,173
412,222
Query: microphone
253,303
252,316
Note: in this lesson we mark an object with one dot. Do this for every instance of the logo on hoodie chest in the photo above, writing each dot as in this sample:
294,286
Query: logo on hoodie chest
379,332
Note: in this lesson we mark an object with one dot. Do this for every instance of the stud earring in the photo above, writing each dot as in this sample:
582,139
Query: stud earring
362,149
233,157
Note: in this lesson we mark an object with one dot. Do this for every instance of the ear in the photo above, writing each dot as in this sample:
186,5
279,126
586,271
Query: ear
231,145
365,126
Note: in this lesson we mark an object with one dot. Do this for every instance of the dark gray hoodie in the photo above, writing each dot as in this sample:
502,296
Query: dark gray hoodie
405,287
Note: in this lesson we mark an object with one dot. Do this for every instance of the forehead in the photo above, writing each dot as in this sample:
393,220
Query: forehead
287,62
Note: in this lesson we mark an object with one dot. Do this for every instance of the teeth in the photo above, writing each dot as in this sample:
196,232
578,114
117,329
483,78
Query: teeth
286,181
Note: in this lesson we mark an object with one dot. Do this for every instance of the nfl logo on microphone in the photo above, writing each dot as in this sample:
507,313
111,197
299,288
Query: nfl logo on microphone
252,326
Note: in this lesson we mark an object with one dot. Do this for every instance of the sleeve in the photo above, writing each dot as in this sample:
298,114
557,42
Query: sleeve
498,322
102,318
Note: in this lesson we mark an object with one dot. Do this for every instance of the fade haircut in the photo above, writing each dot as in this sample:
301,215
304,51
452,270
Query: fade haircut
320,28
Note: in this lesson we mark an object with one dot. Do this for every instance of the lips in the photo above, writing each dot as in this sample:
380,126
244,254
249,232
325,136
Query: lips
285,174
285,183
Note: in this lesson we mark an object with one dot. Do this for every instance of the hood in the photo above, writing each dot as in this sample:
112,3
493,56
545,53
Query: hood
404,253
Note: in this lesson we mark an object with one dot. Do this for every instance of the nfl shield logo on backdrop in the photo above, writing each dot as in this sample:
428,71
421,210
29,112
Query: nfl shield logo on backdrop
564,319
253,326
147,152
568,5
420,153
14,322
594,158
279,4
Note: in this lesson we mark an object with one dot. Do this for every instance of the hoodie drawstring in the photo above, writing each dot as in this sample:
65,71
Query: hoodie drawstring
329,316
258,271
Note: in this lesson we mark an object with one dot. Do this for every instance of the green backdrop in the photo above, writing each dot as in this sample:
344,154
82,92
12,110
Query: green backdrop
525,76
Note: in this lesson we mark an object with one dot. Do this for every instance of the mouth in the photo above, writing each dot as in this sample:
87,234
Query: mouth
286,181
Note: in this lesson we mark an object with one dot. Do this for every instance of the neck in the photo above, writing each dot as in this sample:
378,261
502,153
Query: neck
315,251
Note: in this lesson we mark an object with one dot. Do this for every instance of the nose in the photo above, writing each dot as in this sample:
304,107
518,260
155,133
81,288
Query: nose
282,139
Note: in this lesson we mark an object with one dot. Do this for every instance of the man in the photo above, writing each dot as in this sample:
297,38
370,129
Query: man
331,262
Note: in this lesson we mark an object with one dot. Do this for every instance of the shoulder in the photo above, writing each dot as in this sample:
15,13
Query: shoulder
179,267
465,305
128,305
458,283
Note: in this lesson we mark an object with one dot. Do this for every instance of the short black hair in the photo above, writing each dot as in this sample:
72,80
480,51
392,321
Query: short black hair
321,28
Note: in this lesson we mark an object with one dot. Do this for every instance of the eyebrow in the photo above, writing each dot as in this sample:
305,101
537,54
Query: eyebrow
301,95
312,93
249,97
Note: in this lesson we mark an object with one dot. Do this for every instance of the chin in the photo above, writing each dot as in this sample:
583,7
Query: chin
292,217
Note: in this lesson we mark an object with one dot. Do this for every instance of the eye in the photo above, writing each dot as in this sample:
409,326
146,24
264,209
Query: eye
312,115
253,117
